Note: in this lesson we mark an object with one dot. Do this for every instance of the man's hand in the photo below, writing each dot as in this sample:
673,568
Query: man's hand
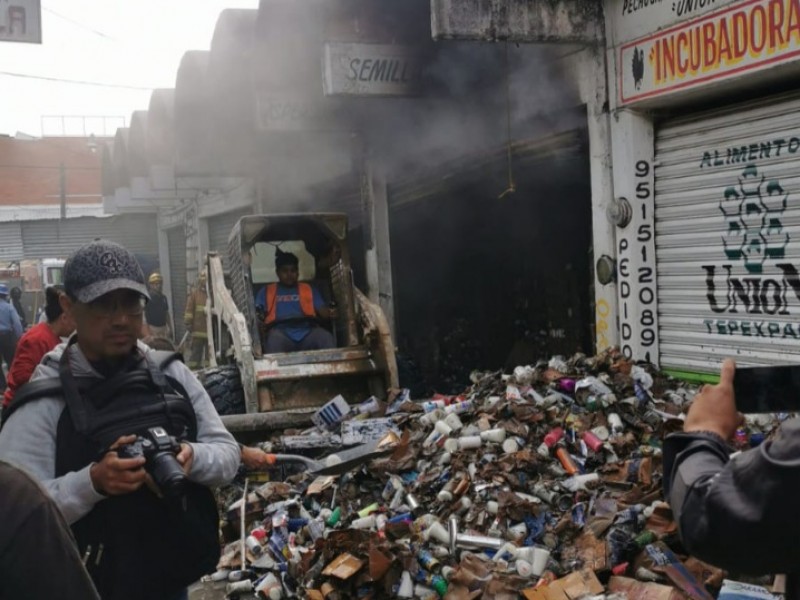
327,314
114,476
255,458
714,408
186,457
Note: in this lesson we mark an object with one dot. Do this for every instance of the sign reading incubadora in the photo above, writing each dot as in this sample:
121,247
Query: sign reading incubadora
21,21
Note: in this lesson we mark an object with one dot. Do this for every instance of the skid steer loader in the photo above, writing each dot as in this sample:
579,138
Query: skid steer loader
256,392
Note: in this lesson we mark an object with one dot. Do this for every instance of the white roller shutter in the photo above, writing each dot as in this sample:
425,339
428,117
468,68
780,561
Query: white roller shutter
727,197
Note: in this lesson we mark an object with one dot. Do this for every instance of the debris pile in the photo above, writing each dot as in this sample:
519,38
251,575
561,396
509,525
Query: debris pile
545,485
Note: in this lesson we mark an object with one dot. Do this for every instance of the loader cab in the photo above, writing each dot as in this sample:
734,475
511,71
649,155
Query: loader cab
320,243
253,390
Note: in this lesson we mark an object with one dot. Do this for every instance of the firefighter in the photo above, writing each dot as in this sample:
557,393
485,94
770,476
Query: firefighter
157,310
196,326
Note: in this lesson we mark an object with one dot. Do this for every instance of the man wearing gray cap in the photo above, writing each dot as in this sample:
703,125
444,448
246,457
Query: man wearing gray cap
125,440
10,332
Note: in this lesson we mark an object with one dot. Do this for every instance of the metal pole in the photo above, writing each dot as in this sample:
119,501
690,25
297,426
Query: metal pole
63,190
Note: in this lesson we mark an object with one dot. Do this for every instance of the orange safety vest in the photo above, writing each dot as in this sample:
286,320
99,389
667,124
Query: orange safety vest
306,301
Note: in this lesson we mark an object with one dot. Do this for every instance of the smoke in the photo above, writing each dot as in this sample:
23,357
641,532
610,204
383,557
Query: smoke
266,71
471,91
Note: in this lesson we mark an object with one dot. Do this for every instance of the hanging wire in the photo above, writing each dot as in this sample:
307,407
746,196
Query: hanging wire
511,186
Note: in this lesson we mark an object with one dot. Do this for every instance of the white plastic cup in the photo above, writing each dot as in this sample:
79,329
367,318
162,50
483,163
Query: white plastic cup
406,586
470,442
464,504
578,482
443,428
451,445
454,422
239,587
496,436
444,457
364,522
254,545
510,446
540,557
615,423
543,450
437,532
269,587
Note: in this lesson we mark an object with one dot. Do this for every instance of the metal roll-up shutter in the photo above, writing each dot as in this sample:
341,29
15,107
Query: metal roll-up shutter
11,248
727,209
220,227
176,242
50,238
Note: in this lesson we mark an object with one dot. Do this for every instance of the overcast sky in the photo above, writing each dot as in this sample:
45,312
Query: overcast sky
135,43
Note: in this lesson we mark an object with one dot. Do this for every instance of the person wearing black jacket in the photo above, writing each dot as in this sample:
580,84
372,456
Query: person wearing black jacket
738,513
38,556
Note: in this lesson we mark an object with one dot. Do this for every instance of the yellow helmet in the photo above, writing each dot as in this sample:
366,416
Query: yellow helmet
155,277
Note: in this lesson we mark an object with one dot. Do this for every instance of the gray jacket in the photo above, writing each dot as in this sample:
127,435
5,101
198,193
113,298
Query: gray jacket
28,438
738,513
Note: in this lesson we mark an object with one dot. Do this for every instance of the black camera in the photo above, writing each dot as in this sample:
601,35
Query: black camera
159,450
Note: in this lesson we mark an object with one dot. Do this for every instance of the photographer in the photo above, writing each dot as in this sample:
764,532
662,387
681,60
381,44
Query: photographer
736,513
105,393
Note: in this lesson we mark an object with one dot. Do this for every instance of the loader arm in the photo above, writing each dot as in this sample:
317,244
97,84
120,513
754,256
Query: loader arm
229,320
382,345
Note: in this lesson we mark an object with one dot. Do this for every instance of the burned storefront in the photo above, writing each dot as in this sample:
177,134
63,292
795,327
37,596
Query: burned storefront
490,213
493,275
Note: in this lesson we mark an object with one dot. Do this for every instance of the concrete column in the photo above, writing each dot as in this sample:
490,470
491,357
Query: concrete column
589,69
378,251
633,148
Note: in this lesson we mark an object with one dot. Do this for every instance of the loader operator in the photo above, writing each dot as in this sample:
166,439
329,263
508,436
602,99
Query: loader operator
290,309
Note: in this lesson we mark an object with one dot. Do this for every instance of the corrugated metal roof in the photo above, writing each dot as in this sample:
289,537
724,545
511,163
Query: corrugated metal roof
11,248
33,213
49,238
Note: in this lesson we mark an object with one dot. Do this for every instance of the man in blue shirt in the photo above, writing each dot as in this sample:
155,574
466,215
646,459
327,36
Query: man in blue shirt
10,332
290,310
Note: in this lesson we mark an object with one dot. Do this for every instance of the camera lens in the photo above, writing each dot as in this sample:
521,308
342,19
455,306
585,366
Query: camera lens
168,474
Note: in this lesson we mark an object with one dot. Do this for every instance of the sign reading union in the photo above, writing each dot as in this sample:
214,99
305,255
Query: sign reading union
745,37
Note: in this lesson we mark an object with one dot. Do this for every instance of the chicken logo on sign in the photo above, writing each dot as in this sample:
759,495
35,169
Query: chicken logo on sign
753,211
638,67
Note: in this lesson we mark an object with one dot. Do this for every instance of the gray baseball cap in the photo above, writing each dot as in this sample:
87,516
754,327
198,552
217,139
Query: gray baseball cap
101,267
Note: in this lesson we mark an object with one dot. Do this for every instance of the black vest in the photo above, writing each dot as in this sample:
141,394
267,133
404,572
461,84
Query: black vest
136,546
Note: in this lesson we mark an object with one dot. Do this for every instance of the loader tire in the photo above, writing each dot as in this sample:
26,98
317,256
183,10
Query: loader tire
224,385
